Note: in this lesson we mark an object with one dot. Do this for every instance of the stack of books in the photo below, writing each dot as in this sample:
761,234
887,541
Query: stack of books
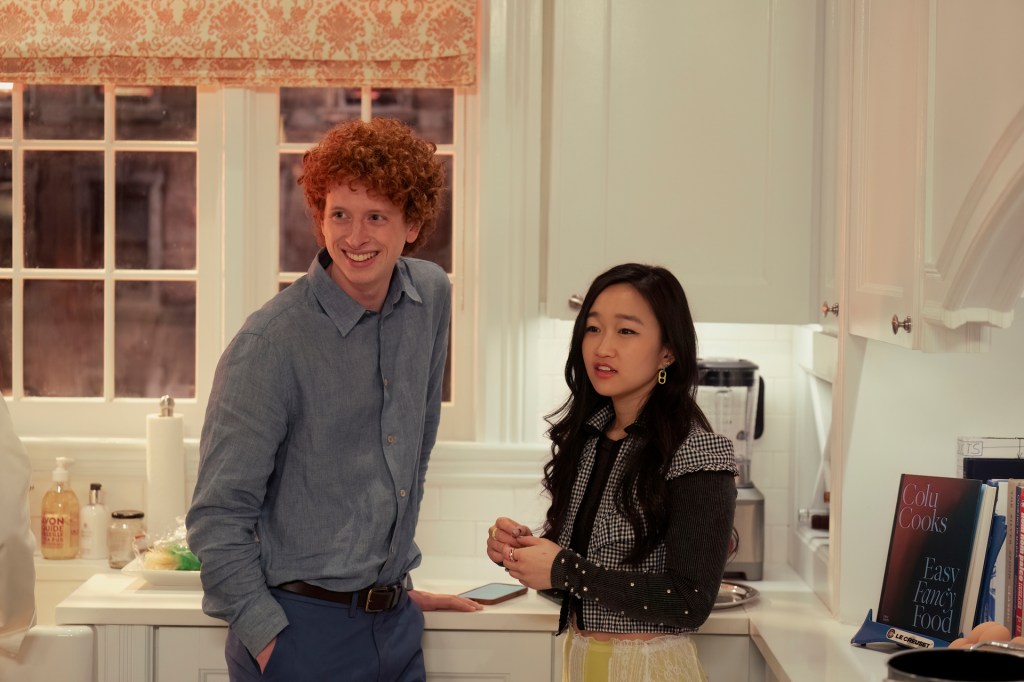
932,584
956,551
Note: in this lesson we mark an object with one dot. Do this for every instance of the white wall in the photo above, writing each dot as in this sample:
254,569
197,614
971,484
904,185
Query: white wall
909,408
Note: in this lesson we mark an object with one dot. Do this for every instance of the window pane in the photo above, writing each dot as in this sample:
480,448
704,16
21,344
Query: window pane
428,111
63,112
308,113
438,247
6,209
298,244
6,324
63,338
154,339
155,113
155,206
5,109
63,209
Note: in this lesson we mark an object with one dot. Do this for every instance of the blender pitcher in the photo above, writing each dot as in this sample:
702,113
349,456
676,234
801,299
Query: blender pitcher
730,393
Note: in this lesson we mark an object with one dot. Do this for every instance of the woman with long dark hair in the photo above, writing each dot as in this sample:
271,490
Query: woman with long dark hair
642,491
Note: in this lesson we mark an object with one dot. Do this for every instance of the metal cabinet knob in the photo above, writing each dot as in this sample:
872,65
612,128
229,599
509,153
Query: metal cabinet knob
826,309
575,302
897,325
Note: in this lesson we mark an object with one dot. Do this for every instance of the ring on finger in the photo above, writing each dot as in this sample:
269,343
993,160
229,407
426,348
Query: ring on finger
512,554
494,532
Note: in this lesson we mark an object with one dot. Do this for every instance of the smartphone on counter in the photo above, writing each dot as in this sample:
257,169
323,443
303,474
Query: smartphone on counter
494,593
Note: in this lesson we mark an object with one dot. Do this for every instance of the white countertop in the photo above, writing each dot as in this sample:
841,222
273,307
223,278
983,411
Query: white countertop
799,639
118,599
789,625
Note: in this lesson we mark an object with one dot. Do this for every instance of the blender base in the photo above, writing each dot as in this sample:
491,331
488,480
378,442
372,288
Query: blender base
748,526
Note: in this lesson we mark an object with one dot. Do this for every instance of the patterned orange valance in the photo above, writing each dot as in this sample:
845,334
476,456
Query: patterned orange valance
350,43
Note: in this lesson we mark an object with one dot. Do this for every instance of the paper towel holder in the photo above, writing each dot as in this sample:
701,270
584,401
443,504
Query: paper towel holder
166,406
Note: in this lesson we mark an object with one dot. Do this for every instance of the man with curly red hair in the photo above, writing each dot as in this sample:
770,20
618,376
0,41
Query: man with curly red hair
322,416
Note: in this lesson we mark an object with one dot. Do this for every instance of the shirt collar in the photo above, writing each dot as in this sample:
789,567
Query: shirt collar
599,421
343,310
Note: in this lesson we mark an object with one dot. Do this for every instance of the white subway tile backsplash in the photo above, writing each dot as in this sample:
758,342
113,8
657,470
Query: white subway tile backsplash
477,503
778,395
430,507
531,507
778,434
450,538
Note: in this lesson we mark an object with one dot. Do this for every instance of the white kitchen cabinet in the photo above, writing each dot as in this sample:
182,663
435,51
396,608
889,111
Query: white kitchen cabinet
730,658
936,235
682,134
190,654
186,654
469,656
196,654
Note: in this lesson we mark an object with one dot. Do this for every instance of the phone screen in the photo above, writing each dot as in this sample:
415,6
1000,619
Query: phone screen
492,591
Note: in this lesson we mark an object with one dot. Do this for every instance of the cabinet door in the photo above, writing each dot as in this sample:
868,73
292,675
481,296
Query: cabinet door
682,134
729,657
974,241
185,654
834,178
481,656
890,81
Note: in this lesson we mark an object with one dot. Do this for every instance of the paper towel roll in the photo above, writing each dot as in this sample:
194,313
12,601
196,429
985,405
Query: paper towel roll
165,473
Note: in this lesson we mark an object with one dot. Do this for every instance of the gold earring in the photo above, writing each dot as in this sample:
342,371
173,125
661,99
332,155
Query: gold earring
662,376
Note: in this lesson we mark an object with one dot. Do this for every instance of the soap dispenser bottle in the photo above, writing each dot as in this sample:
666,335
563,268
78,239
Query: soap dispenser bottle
59,539
95,519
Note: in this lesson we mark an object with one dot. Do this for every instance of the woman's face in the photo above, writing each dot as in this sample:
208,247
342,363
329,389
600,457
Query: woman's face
622,348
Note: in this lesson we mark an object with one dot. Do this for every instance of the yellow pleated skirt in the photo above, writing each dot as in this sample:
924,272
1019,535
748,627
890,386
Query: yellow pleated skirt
671,658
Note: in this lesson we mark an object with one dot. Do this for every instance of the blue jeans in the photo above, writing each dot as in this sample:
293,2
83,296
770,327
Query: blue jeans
325,641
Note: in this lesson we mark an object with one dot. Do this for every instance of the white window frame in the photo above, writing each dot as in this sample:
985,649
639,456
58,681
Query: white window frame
258,234
497,258
236,266
102,416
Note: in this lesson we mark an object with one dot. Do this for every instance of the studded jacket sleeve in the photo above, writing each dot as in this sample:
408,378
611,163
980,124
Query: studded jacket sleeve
702,505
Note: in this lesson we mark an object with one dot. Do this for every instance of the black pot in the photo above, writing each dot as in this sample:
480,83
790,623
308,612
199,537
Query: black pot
958,665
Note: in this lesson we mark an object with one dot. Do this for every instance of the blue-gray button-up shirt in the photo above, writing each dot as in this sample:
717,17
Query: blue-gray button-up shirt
314,450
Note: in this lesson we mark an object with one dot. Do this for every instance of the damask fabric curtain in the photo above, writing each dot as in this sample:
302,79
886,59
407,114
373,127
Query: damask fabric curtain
387,43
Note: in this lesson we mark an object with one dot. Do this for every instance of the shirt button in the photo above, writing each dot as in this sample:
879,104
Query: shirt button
401,493
391,439
385,381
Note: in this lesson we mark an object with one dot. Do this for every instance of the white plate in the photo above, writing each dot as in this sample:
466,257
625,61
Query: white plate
158,578
734,594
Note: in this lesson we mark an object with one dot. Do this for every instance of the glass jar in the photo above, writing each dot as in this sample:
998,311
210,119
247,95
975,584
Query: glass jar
126,527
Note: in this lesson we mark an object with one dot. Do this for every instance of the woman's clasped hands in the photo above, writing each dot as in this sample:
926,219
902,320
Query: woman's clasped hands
525,557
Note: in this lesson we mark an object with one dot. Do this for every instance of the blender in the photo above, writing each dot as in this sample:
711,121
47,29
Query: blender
731,395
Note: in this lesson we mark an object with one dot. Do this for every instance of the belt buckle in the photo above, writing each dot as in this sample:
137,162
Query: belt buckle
389,594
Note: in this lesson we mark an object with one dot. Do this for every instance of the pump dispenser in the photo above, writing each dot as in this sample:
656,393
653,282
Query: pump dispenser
59,537
95,519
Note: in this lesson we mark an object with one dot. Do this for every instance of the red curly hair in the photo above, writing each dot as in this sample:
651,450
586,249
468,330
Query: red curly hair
388,159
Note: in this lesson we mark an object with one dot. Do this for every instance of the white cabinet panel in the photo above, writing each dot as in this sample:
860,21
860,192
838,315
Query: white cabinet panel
682,134
937,172
730,658
190,655
889,120
452,655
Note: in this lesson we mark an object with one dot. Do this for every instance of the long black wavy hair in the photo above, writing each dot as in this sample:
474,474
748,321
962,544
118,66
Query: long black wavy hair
664,421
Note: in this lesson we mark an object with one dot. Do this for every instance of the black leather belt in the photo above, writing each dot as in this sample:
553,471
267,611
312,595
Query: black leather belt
370,599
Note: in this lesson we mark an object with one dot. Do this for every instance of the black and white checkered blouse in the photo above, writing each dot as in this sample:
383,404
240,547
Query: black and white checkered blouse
673,589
